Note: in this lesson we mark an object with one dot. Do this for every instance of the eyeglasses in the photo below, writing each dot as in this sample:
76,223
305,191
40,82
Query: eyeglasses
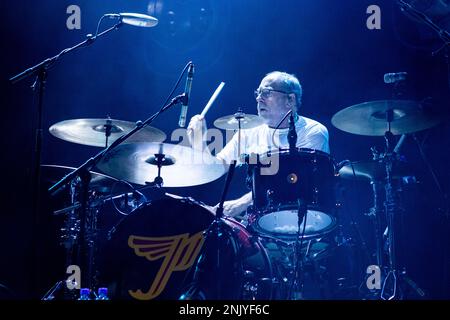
266,93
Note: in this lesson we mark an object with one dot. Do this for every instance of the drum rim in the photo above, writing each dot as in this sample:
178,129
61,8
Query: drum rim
292,237
309,151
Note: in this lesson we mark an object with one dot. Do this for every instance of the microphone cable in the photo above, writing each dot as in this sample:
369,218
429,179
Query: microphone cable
278,125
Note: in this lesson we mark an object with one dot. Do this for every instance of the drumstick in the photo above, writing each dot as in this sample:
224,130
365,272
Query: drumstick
211,100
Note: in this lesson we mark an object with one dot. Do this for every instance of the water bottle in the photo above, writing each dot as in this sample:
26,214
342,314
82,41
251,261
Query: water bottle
85,294
102,294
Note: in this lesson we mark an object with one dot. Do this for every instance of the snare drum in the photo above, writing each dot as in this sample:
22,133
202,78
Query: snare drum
308,177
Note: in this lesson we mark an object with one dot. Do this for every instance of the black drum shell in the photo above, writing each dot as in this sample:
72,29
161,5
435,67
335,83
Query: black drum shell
306,176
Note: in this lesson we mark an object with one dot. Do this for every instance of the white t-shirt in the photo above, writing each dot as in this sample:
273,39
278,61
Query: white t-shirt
310,134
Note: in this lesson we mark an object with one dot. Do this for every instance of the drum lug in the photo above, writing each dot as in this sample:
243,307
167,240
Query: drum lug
270,194
315,196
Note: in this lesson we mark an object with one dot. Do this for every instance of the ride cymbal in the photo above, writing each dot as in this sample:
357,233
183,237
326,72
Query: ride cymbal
374,118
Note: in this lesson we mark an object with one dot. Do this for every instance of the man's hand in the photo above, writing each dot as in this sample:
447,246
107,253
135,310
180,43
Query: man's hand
233,208
196,131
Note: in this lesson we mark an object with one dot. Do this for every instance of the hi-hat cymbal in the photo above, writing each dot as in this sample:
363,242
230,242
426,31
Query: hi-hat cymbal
231,122
182,166
370,118
372,170
99,182
91,132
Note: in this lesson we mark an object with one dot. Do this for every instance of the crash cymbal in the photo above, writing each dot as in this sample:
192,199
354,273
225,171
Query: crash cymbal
372,170
231,122
99,182
91,132
369,118
181,167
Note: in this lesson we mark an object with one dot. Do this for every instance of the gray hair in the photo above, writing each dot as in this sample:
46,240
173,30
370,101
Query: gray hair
290,82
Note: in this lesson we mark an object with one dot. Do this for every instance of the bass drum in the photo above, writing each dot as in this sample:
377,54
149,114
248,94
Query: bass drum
158,252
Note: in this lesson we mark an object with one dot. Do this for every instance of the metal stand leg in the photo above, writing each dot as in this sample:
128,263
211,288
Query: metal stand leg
296,288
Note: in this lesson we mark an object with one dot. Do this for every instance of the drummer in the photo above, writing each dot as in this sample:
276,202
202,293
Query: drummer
277,94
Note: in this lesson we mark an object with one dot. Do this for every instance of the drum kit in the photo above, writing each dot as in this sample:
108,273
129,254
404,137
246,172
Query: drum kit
164,247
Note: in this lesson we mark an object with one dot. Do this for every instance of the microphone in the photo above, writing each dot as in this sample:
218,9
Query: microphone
395,77
134,19
187,94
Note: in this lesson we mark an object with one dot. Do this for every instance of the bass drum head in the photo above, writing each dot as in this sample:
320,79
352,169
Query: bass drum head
152,250
236,267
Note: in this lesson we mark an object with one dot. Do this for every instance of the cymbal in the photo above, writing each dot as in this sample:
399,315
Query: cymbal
372,170
231,122
91,132
99,182
369,118
182,166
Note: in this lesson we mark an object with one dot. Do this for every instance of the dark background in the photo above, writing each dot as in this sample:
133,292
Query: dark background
129,73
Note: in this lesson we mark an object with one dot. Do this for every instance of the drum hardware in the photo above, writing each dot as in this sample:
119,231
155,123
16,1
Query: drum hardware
394,275
72,229
58,286
420,16
215,231
266,198
292,135
295,291
40,71
385,118
159,159
238,122
83,174
89,132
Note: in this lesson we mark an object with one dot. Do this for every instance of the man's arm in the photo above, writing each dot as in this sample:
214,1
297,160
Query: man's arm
235,207
196,131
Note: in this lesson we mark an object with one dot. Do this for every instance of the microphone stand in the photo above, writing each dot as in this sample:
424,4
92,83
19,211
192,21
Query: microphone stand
292,135
84,172
296,286
40,70
442,33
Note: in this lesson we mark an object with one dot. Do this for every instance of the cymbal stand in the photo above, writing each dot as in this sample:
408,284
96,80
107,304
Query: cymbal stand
159,159
85,247
390,288
108,128
375,213
239,116
390,207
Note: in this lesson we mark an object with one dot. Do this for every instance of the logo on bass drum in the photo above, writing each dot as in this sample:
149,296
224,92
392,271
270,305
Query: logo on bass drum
179,253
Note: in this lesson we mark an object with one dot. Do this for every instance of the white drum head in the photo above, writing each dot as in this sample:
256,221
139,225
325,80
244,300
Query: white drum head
284,223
